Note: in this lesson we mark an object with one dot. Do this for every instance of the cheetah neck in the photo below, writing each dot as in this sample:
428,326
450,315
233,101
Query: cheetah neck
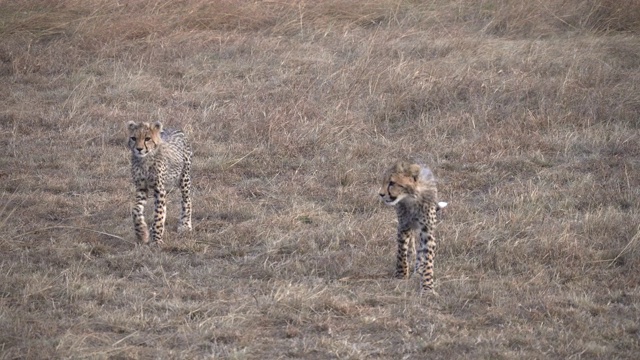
425,195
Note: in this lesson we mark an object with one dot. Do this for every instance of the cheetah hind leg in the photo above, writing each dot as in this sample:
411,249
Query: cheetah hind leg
185,189
424,261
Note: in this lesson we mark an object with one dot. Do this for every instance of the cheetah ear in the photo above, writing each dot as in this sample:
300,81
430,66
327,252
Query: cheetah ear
414,171
157,126
131,125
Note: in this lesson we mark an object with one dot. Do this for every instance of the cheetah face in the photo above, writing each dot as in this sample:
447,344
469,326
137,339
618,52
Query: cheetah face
143,137
393,194
399,183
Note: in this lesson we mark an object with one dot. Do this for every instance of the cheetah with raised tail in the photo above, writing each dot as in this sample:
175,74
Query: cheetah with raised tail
159,158
411,188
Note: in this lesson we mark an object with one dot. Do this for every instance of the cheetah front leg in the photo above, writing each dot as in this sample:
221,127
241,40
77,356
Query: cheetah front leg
140,226
160,212
426,254
405,238
185,189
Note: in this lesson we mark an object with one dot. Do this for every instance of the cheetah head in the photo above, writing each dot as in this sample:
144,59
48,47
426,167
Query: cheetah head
399,182
143,137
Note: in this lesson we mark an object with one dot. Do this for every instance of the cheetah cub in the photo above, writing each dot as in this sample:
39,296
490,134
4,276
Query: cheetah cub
411,188
159,158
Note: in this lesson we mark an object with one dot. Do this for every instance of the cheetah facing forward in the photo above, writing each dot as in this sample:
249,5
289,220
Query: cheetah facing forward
412,190
159,158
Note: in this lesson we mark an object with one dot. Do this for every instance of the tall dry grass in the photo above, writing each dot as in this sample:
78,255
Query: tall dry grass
526,111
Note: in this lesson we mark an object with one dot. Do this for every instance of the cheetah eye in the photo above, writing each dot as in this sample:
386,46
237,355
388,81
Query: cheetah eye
394,184
147,139
133,138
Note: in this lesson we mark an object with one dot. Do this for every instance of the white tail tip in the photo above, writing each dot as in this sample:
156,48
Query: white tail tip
442,204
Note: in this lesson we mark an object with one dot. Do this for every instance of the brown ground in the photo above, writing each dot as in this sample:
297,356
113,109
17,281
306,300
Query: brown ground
528,113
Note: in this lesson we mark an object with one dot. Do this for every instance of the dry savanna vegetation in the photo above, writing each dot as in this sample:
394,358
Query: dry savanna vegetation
527,111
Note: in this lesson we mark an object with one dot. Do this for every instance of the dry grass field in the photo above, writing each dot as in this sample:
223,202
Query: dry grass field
528,113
